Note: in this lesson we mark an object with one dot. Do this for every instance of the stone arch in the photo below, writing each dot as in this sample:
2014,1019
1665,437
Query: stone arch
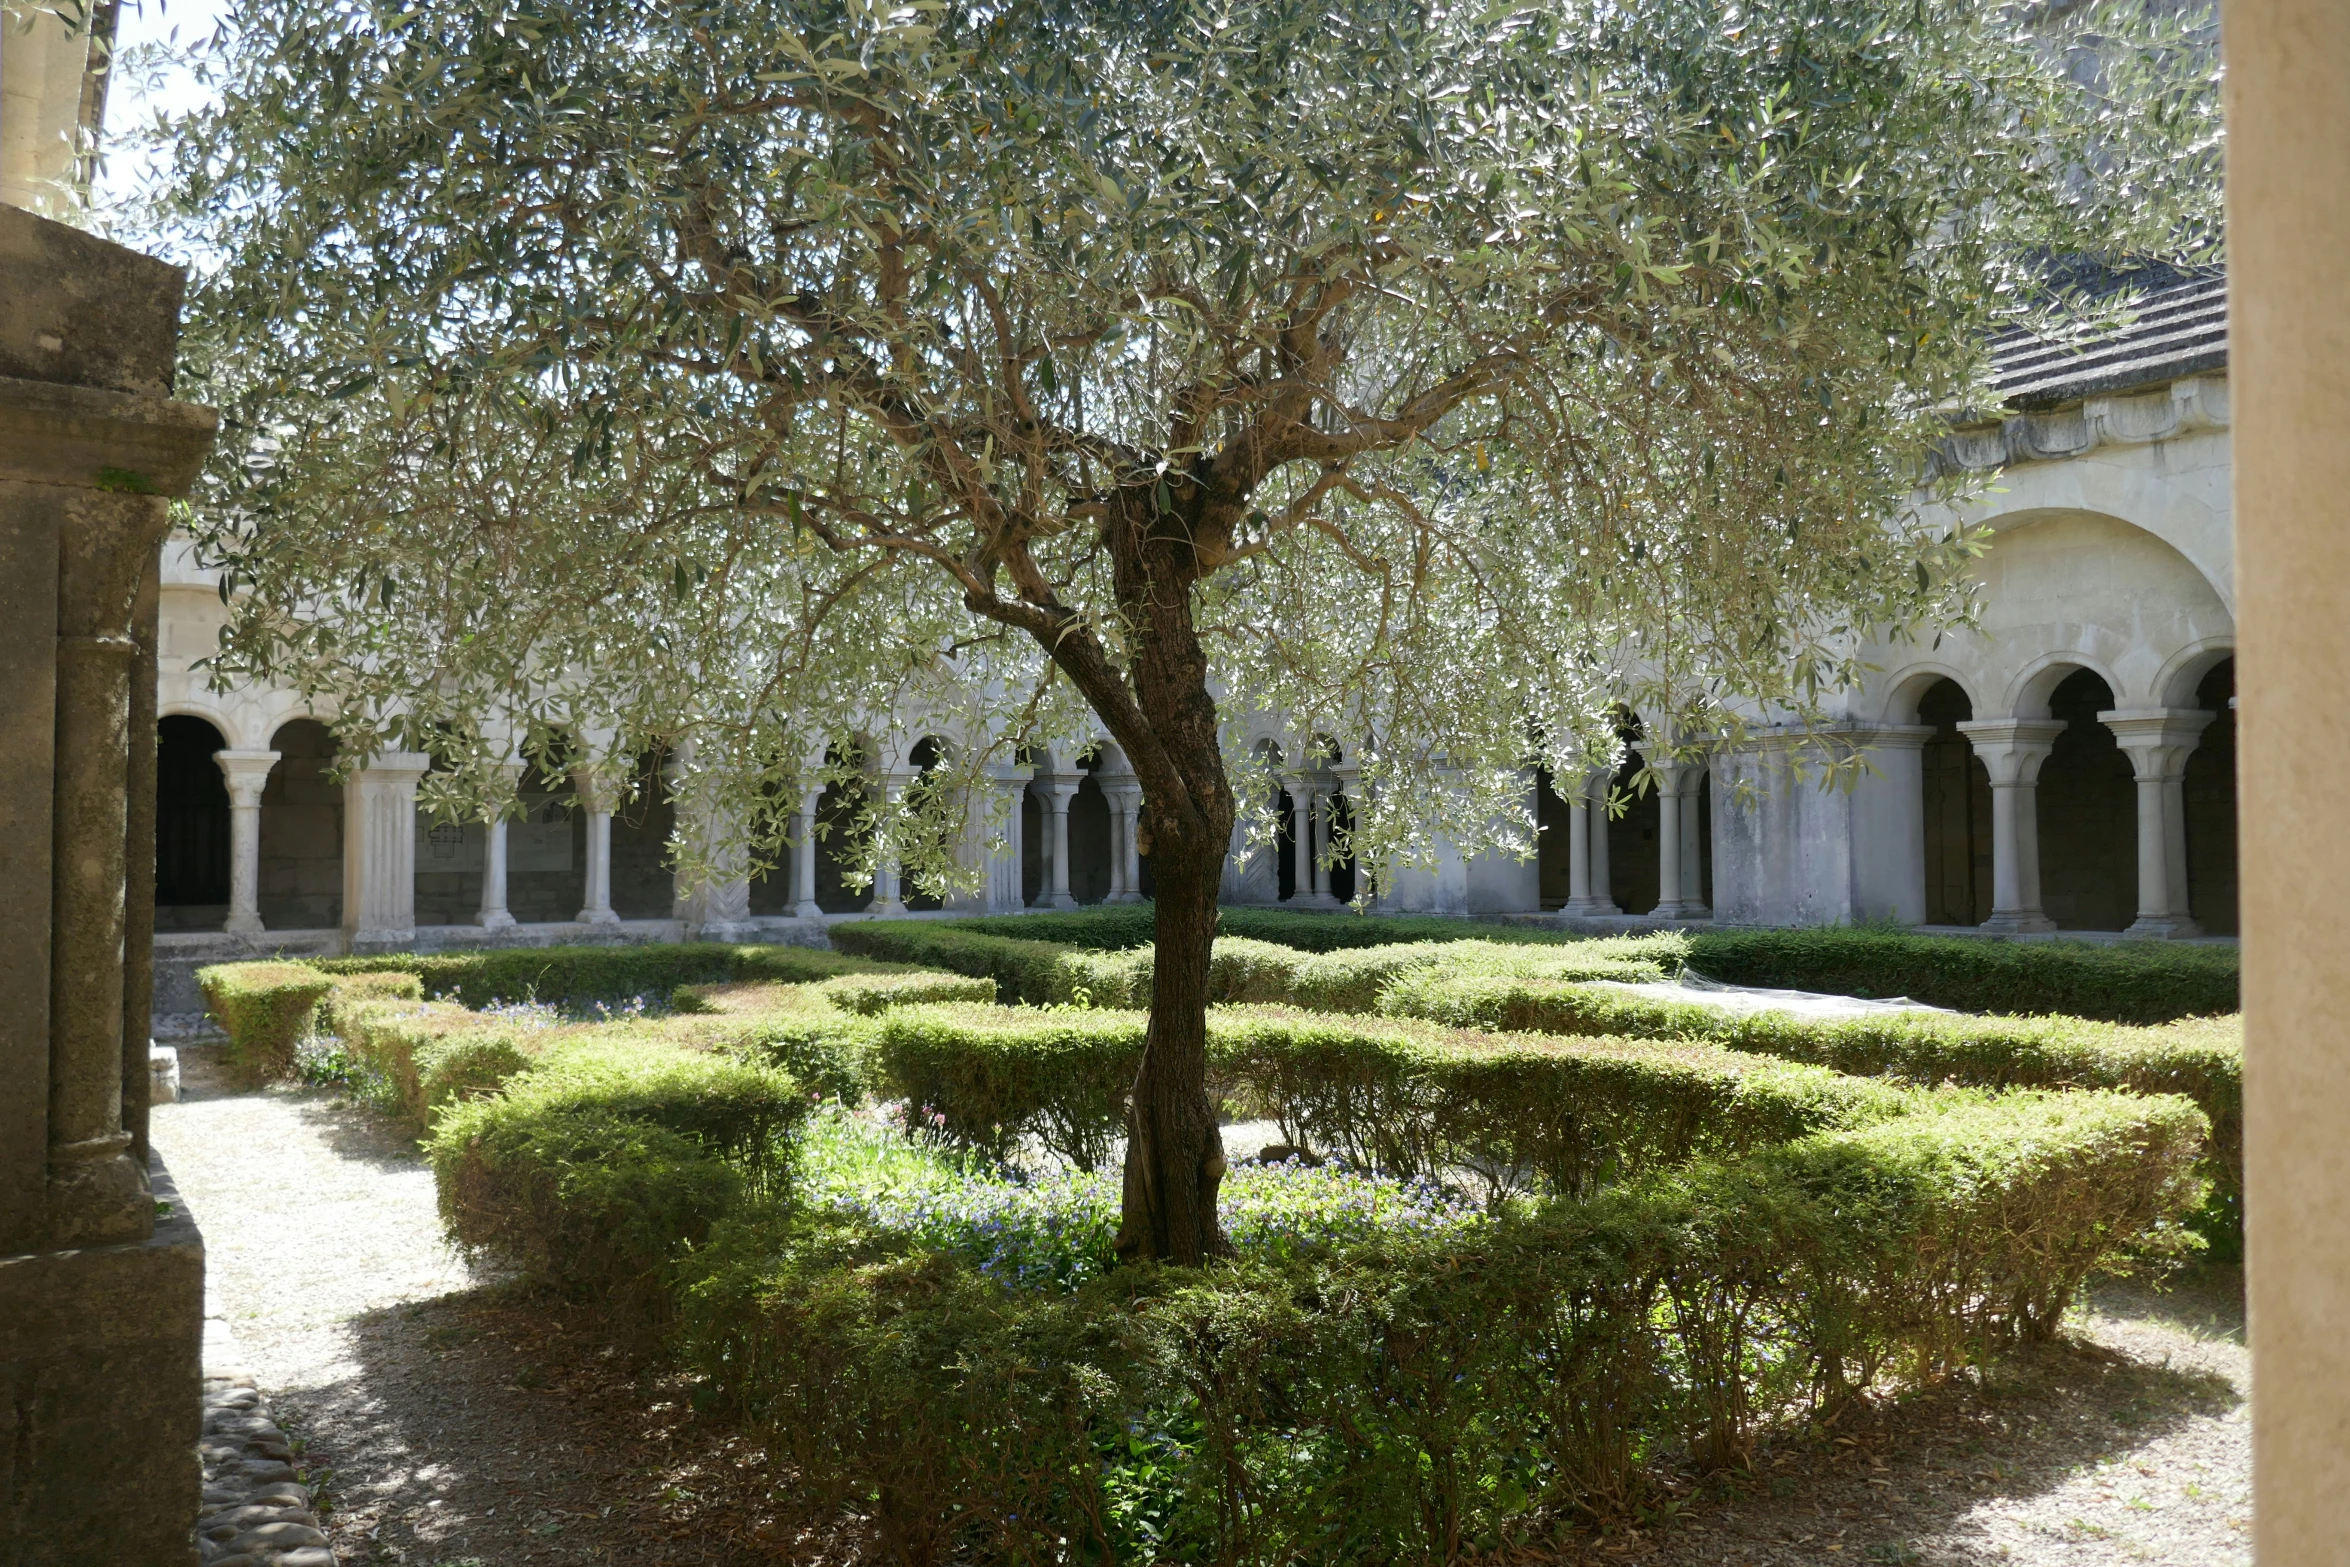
842,828
644,880
2181,682
191,824
1907,687
2087,808
301,864
1090,836
2032,691
1956,796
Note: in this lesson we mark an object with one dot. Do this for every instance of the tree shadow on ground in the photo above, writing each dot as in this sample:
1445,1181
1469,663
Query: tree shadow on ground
1904,1479
351,1127
503,1426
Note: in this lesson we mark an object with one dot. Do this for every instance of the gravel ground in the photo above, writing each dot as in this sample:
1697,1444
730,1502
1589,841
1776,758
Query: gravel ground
459,1425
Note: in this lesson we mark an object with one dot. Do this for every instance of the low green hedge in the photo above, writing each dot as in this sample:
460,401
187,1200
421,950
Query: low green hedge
1562,1115
1411,1400
2201,1058
568,976
605,1162
431,1054
267,1009
2125,982
1120,927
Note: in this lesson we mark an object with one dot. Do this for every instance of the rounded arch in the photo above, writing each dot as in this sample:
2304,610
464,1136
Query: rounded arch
191,824
300,880
2181,682
209,712
2031,691
1906,687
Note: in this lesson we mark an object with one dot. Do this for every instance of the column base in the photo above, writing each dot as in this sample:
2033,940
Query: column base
2165,927
1593,908
1680,911
2017,922
244,925
806,910
383,938
597,917
1054,900
1315,900
1125,897
494,919
886,908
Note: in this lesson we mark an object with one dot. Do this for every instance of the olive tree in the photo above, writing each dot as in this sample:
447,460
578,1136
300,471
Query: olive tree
1439,374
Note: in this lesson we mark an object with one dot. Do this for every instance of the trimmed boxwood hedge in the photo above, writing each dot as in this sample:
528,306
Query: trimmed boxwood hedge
2121,982
1415,1401
267,1009
1121,927
571,976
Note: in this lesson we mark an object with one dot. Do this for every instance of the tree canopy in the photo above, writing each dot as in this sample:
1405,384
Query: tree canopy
1439,376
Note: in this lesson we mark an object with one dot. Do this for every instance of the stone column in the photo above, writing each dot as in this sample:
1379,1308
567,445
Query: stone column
1578,852
1126,820
101,1302
1680,874
2012,750
247,774
2158,741
1009,783
803,856
1596,790
1058,791
379,851
2288,117
493,913
888,895
596,798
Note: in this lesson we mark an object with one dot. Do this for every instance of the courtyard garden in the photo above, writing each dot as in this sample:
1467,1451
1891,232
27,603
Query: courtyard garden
1528,1239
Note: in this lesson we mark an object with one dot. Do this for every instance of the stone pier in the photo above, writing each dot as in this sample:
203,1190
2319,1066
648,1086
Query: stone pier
101,1282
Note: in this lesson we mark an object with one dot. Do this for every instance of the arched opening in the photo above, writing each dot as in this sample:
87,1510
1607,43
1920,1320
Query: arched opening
191,826
644,883
1342,874
842,830
1632,841
1553,817
926,756
302,832
1090,837
2210,794
546,843
771,886
2088,814
450,859
1957,811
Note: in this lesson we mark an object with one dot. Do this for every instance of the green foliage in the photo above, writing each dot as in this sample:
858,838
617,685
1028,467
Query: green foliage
2202,1058
431,1054
577,975
267,1010
1408,1400
1041,973
602,1164
2124,982
1385,1094
1122,927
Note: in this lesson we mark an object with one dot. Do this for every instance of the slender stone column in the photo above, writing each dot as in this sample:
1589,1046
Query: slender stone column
1578,853
1680,875
803,856
596,798
888,894
379,850
493,913
247,774
1310,835
1126,857
1596,789
1058,791
2012,750
2158,742
1009,780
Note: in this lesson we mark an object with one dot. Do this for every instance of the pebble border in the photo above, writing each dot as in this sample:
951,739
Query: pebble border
256,1509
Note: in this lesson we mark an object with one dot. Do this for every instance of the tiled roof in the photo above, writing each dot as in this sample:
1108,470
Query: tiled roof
2174,330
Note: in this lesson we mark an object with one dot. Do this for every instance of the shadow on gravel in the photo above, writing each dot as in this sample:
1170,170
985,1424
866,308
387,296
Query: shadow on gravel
499,1426
1897,1481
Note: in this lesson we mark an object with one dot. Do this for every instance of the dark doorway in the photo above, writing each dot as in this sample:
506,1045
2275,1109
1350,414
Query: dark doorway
1631,844
302,832
2088,814
1552,859
2210,791
1285,852
1958,812
1342,875
191,827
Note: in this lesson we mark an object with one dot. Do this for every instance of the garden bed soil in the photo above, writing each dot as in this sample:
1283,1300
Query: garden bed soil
457,1422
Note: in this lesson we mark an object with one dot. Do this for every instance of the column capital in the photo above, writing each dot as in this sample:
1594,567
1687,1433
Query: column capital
1061,787
2158,739
2012,749
247,774
393,764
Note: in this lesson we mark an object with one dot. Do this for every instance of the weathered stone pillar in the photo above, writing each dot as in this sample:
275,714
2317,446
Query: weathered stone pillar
138,882
804,850
1119,787
2158,742
1578,852
379,851
493,913
1008,782
888,875
1058,790
100,1305
247,773
596,799
1680,874
2012,750
2288,116
1596,790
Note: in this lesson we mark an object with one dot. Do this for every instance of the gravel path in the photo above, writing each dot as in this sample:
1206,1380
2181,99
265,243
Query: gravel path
461,1426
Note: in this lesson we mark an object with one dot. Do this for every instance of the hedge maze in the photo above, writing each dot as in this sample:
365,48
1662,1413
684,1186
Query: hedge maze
1538,1235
